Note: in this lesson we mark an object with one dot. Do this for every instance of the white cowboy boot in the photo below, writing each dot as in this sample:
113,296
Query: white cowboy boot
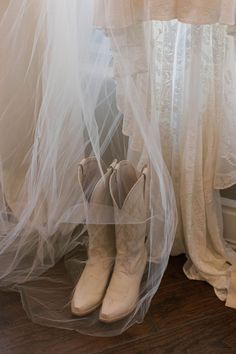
90,290
130,208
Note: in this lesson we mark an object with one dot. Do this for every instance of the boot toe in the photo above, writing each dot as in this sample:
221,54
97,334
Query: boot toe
90,290
85,300
83,306
113,310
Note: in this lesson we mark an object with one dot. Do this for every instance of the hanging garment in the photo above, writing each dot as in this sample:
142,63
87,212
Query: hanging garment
197,113
194,70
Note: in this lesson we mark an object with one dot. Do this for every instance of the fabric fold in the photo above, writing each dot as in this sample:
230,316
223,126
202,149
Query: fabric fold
124,13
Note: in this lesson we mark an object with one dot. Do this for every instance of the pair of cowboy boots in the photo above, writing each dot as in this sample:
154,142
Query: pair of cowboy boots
117,253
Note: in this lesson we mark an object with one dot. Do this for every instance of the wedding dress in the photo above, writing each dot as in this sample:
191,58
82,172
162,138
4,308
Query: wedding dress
195,90
84,78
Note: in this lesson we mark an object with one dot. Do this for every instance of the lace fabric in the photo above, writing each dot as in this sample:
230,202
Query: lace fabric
194,70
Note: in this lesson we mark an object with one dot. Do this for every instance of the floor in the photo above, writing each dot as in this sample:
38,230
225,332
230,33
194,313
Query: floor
185,317
229,193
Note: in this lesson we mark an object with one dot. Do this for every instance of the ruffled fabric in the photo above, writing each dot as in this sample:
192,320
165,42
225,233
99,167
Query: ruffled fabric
123,13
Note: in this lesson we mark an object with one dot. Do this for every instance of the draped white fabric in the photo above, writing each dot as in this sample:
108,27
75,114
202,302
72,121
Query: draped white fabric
66,89
58,105
195,71
195,90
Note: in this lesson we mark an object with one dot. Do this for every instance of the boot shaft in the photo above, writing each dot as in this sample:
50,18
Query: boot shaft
128,192
94,181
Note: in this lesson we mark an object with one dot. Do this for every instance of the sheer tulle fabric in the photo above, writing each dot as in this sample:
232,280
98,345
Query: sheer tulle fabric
58,105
